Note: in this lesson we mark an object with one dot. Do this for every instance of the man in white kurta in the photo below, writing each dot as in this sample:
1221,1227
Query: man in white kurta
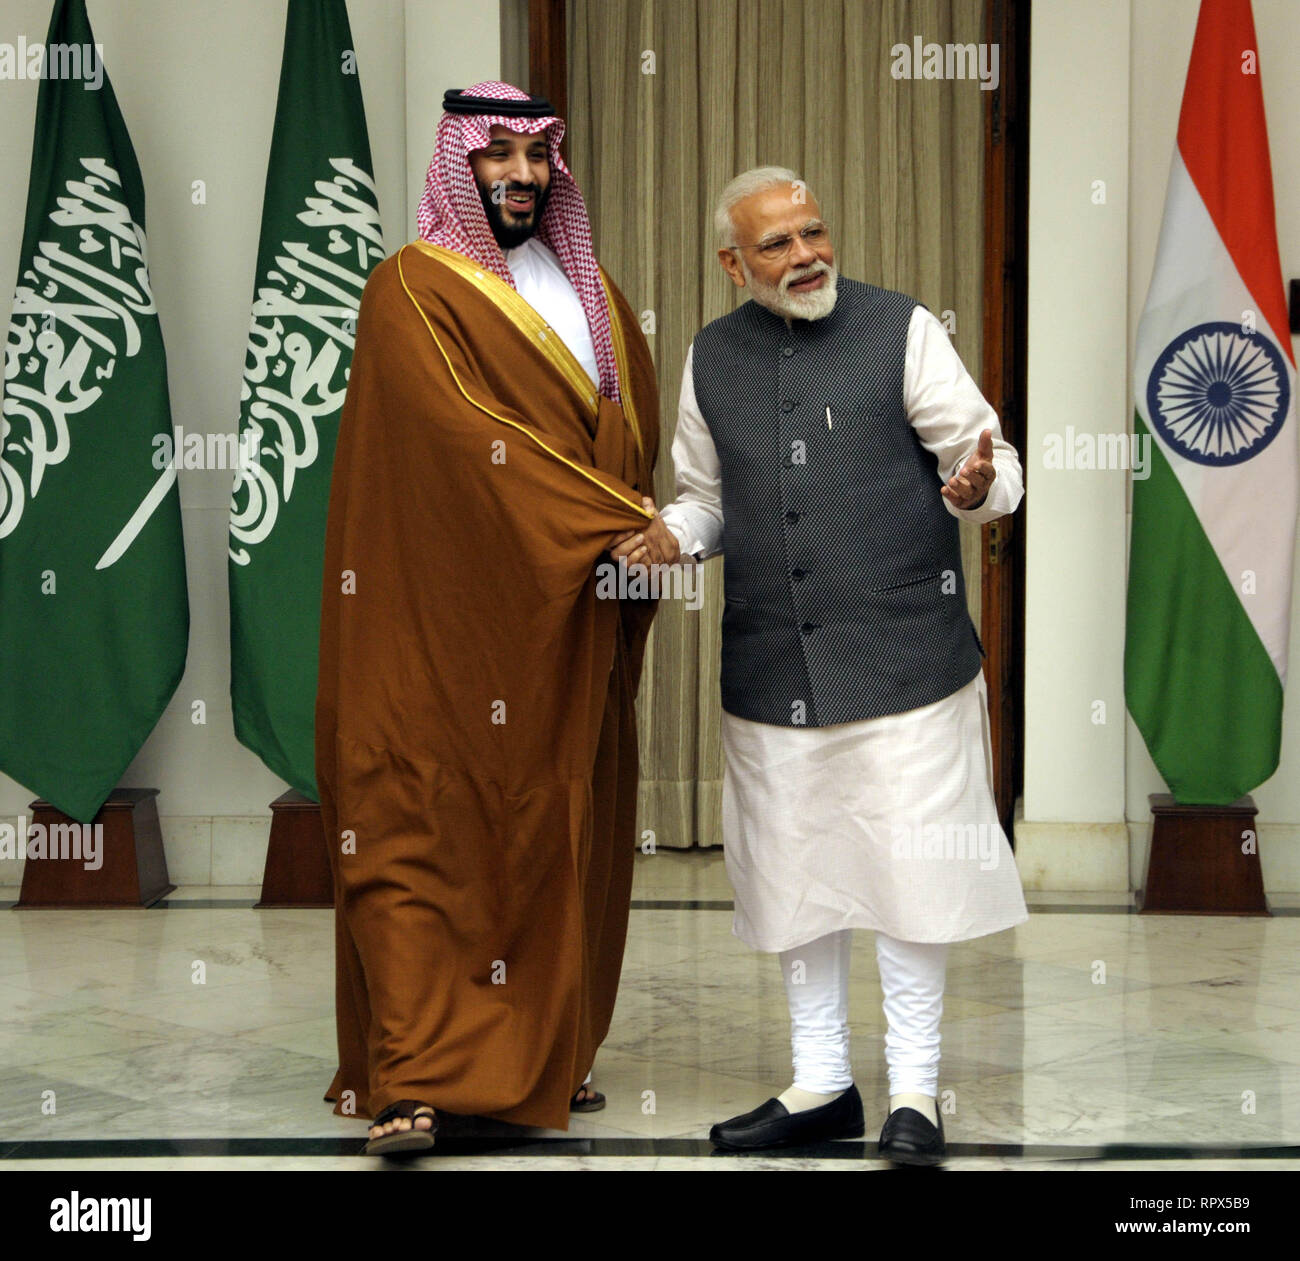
887,823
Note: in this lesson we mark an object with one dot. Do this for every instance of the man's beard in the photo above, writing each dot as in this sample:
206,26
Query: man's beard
515,232
795,306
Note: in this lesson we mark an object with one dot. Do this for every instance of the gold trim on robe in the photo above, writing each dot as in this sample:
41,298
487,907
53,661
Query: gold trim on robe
620,357
526,319
521,314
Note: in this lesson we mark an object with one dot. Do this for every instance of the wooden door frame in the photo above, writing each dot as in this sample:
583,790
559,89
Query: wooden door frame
1005,305
548,58
1006,235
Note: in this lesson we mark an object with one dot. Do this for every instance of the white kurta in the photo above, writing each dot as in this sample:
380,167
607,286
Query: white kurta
888,823
539,277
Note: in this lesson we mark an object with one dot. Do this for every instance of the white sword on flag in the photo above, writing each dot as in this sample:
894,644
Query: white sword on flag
126,536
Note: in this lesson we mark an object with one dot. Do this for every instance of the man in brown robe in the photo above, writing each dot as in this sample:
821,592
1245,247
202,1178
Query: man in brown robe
476,745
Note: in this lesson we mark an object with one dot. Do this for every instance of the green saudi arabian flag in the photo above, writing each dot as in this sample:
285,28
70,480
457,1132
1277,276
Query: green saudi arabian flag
94,618
320,240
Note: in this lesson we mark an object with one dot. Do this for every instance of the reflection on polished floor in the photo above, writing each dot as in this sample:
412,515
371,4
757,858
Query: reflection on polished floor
1088,1038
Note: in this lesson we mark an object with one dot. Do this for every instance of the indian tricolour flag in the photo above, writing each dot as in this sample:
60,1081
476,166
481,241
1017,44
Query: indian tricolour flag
1214,525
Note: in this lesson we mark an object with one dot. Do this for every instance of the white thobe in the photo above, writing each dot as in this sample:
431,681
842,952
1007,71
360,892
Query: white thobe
539,277
888,823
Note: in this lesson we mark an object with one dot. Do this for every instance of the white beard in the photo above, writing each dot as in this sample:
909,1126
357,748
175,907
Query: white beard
795,306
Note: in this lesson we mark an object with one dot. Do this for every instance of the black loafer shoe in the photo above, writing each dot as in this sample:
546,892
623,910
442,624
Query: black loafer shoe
908,1138
773,1125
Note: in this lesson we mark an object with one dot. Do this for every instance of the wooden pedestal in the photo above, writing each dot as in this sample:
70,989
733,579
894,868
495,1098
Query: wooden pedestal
297,862
133,867
1196,865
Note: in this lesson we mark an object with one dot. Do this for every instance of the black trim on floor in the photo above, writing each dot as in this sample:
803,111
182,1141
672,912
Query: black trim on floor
1068,908
470,1145
638,904
219,904
681,904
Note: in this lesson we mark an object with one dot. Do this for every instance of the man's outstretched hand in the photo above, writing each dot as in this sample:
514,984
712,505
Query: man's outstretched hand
654,544
969,486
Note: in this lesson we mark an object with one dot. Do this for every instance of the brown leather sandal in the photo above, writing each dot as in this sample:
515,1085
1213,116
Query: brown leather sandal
403,1142
592,1103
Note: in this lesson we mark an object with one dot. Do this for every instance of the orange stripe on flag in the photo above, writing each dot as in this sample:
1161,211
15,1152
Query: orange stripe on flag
1223,138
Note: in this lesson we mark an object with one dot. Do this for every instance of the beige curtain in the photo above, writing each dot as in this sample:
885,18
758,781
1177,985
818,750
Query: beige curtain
668,99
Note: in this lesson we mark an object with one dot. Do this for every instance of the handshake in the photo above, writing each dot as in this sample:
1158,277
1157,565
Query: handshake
655,544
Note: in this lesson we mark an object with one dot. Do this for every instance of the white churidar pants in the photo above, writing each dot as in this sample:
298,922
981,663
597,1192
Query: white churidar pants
817,987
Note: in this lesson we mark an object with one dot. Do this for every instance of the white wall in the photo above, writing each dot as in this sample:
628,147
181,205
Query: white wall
1106,87
449,44
197,85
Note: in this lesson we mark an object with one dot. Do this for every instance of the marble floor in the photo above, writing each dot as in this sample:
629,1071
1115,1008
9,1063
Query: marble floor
1089,1038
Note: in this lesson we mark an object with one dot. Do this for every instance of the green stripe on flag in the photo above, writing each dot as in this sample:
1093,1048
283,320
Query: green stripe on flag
1197,678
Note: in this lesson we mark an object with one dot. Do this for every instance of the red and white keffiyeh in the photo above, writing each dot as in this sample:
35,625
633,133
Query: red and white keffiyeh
451,214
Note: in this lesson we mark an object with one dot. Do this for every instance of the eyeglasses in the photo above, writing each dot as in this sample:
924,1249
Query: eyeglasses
814,235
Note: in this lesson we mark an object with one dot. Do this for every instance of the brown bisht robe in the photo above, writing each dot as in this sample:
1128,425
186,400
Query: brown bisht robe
476,746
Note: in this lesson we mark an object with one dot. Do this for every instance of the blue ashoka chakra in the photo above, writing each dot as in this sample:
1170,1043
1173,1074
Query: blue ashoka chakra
1218,395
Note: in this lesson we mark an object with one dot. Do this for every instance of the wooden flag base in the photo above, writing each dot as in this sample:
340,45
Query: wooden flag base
1196,865
131,870
297,863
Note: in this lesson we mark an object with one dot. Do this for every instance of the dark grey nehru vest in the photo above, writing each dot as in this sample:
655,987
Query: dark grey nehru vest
844,591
